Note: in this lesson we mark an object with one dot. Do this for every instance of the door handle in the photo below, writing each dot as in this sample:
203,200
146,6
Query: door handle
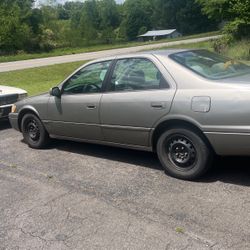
158,105
91,106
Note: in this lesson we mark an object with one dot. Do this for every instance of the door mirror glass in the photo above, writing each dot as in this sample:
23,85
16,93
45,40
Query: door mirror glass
55,92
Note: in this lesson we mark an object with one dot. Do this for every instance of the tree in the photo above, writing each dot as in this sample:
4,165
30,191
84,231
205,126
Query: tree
236,13
35,20
184,15
109,20
165,13
137,14
89,21
14,32
109,15
191,20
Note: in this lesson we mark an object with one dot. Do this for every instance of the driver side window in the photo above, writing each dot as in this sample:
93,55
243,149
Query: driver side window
87,80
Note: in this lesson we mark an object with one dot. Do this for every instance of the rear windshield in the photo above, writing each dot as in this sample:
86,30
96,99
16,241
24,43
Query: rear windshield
210,65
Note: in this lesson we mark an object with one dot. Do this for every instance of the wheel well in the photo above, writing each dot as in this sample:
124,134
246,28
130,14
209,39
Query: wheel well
22,114
166,125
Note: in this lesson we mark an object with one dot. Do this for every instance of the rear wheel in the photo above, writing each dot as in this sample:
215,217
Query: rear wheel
184,154
34,133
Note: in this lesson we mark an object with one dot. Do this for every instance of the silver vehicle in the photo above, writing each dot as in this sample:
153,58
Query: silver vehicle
8,96
184,104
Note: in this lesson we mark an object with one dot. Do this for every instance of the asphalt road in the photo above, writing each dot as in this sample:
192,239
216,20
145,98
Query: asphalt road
82,196
25,64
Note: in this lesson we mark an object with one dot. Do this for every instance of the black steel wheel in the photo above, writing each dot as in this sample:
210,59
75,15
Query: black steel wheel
184,154
34,133
181,151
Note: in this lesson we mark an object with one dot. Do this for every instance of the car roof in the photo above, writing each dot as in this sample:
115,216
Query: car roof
166,52
163,52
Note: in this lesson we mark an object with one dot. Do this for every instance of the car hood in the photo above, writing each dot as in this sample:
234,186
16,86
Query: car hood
6,90
34,98
46,94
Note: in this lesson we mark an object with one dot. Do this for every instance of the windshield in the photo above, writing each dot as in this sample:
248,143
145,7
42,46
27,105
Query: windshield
210,65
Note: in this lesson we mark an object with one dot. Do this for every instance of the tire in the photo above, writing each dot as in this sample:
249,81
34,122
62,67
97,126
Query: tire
34,133
184,154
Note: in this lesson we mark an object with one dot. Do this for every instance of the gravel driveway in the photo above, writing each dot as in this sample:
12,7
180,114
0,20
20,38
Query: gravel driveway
81,196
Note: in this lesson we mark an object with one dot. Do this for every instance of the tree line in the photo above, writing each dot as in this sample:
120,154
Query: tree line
29,28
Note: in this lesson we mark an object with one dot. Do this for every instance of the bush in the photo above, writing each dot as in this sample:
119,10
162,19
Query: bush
238,29
222,44
239,50
47,40
232,48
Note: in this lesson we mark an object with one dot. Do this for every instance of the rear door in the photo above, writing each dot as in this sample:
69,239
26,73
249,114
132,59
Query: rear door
139,92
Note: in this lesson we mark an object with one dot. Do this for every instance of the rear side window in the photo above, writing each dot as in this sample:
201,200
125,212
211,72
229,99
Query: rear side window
210,65
136,74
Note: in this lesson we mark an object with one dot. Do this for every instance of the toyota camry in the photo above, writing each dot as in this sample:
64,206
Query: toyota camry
185,105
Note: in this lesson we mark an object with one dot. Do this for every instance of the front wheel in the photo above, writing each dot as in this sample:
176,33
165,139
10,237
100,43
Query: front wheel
184,154
34,133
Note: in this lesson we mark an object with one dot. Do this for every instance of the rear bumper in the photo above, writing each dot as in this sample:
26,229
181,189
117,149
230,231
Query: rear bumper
230,143
5,110
13,118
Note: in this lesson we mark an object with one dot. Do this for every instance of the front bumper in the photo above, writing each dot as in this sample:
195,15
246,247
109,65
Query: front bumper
13,117
5,110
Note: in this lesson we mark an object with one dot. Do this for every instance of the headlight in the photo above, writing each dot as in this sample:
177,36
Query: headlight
13,108
22,96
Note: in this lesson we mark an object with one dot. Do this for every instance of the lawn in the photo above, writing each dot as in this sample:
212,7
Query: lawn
69,51
201,45
38,80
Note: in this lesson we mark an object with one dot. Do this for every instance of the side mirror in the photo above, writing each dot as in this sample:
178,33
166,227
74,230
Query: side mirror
55,91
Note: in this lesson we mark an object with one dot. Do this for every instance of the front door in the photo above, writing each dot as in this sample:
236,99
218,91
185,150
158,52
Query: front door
76,113
138,95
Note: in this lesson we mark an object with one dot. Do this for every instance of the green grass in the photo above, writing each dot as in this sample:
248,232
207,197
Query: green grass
38,80
69,51
201,45
239,50
180,230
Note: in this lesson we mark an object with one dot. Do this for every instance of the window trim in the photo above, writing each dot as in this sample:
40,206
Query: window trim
83,67
112,69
